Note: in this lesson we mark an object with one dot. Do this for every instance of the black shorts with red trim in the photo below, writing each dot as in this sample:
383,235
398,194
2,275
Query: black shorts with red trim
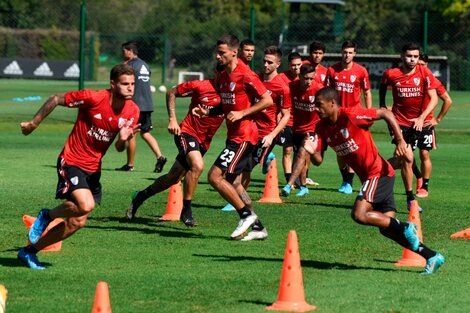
285,137
145,121
185,144
259,154
379,192
427,139
235,157
410,135
298,139
71,178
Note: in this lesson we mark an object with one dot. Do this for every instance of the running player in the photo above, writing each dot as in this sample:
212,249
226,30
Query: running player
316,54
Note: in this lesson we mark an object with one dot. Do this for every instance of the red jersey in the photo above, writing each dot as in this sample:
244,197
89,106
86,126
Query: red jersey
408,92
440,91
202,92
266,120
348,83
320,72
303,107
95,128
350,138
288,78
236,92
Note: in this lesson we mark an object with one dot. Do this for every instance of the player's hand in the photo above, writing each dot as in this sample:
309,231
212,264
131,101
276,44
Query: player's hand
401,148
199,111
430,123
267,141
418,123
127,133
174,128
311,145
234,116
28,127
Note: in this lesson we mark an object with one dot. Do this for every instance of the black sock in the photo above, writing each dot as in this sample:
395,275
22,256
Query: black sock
297,181
344,172
187,208
349,178
144,195
244,212
410,196
425,183
417,172
396,226
287,176
425,252
31,249
258,226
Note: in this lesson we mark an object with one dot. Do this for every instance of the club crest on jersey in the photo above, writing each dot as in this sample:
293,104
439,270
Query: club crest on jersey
345,133
323,76
74,180
353,78
311,99
192,144
124,122
416,81
232,86
205,99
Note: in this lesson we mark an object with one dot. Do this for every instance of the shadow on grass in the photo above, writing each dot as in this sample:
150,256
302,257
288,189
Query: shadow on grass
14,262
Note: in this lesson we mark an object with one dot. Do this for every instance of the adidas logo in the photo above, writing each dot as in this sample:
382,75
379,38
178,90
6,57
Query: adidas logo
144,70
73,71
98,116
13,69
43,70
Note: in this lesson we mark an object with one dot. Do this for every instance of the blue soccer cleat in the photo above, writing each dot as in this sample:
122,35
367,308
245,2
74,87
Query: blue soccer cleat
345,188
39,226
410,202
228,207
267,163
411,235
302,192
341,188
433,264
30,259
285,191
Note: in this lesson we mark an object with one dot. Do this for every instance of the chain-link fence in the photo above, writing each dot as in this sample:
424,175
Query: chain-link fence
176,36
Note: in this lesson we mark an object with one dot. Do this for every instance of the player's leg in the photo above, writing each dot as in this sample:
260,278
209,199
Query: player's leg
196,166
130,152
426,142
145,121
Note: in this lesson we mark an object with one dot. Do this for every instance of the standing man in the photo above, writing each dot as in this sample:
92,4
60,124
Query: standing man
237,85
410,83
143,98
317,53
192,138
349,79
247,51
102,116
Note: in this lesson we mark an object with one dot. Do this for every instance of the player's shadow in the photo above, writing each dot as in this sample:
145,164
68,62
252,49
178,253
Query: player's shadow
14,262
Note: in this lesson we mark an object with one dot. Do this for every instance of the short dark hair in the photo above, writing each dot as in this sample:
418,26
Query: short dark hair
131,45
274,50
349,44
424,57
246,42
119,70
329,93
294,55
409,46
317,45
306,68
230,40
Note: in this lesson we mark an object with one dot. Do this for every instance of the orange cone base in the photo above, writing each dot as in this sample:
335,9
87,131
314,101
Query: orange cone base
270,200
291,306
170,217
411,259
462,234
29,221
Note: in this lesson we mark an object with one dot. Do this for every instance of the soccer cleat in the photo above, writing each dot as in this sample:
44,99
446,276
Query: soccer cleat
411,235
267,163
125,168
408,205
419,183
422,193
30,259
433,264
39,226
188,220
256,235
243,225
310,182
348,189
285,191
160,164
341,188
228,207
302,192
132,209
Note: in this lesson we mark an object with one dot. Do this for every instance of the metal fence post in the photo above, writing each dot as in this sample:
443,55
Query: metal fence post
81,80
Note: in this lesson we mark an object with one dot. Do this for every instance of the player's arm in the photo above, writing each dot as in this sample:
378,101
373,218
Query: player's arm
447,102
281,124
385,114
418,122
126,133
368,98
382,95
51,103
173,126
264,102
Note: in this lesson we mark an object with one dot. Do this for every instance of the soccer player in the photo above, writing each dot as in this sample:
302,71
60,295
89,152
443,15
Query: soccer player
346,131
102,116
305,118
349,79
410,84
192,138
427,138
247,51
316,54
237,85
143,98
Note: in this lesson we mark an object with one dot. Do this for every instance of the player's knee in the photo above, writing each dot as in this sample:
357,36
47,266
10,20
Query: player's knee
359,217
74,224
197,168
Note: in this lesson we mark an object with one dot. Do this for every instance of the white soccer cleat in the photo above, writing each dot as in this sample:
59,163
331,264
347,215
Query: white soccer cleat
243,225
256,235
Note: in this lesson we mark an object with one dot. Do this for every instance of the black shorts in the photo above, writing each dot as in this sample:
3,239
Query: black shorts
410,135
235,157
379,192
259,154
145,120
185,144
427,139
285,137
298,139
71,178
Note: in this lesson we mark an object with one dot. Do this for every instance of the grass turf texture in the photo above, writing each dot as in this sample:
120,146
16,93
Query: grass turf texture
153,266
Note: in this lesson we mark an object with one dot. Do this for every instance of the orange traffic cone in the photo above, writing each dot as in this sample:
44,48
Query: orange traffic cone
462,234
271,186
101,303
29,221
291,290
3,298
174,205
409,257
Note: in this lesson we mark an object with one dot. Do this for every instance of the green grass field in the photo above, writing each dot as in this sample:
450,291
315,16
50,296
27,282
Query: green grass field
154,266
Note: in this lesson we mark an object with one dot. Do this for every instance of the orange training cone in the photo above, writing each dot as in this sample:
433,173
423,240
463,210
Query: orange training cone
291,290
174,205
3,298
409,257
462,234
271,187
29,221
101,303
